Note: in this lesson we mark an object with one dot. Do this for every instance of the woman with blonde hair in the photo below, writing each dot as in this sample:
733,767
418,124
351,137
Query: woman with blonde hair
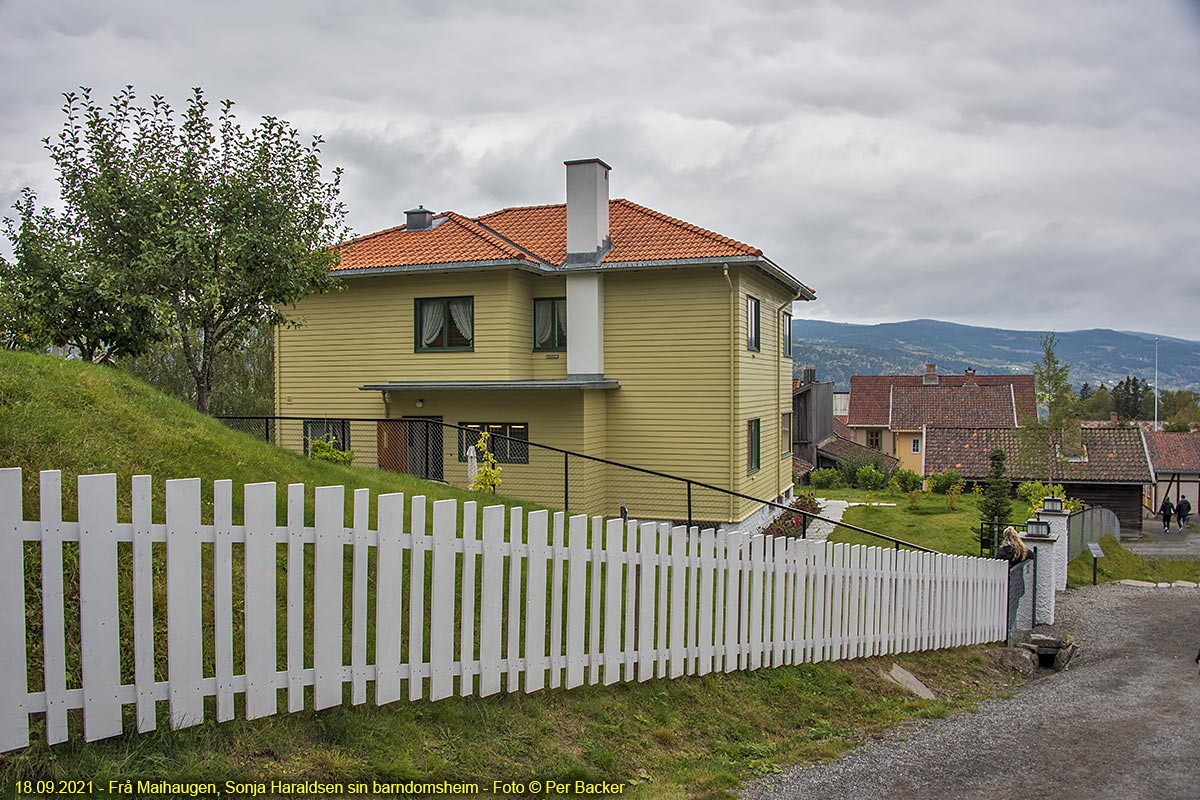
1013,549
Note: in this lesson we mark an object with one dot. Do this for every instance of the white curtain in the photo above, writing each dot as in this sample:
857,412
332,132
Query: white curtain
543,322
460,312
433,318
560,306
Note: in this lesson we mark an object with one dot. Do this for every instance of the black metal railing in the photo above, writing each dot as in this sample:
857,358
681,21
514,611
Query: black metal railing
559,478
992,533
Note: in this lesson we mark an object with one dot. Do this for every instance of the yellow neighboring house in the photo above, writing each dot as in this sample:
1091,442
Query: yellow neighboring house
597,326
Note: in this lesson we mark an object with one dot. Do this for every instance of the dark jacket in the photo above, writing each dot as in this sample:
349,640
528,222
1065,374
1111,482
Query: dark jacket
1184,508
1167,508
1009,554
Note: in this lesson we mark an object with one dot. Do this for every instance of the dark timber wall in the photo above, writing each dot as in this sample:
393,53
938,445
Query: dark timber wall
1123,499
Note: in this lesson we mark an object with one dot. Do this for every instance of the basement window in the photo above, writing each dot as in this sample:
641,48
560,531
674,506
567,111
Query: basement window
338,430
508,441
444,323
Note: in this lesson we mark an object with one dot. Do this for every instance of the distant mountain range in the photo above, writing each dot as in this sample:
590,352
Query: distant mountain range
838,350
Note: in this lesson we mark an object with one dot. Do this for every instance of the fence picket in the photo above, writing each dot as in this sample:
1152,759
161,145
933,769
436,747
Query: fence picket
223,597
259,510
693,602
491,603
612,601
143,605
416,600
629,559
358,597
594,612
556,600
389,599
512,651
466,644
441,602
535,602
295,597
708,574
576,595
678,598
647,565
184,626
745,567
54,667
328,568
662,599
14,718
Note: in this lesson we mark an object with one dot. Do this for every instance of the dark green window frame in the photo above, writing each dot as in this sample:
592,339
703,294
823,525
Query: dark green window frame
508,441
339,429
785,331
558,324
753,324
753,445
785,433
451,337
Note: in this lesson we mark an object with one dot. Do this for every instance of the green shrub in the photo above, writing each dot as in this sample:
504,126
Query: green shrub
487,473
793,524
942,481
1032,493
914,499
323,449
825,479
868,477
905,481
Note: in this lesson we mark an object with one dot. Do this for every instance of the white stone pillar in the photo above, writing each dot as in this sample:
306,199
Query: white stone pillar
1058,527
1046,581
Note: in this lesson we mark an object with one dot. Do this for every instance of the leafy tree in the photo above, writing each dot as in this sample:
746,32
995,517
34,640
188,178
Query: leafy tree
179,223
1045,442
1128,396
1098,405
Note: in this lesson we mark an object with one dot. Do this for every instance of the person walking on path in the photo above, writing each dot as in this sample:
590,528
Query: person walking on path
1182,511
1166,509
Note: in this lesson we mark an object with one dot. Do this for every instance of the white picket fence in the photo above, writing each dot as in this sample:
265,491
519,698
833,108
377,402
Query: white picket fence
547,602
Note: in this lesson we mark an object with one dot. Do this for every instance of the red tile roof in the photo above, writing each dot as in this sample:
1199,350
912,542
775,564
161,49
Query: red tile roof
840,448
538,235
873,400
1174,452
1112,455
963,406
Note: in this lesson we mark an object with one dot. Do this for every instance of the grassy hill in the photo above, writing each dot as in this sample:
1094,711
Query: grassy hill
839,350
83,419
693,737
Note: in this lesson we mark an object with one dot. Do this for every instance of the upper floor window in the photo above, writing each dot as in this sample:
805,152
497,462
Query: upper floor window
445,323
785,433
916,445
874,440
753,445
753,327
550,323
785,332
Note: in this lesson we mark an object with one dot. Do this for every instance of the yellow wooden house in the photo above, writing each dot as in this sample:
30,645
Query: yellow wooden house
596,326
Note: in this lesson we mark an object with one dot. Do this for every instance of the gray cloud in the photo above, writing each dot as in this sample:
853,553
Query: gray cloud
1026,164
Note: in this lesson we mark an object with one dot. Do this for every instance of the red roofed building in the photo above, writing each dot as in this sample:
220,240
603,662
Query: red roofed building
597,326
1175,459
890,412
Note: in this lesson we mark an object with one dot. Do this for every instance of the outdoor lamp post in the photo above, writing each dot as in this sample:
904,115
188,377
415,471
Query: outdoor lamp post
1052,504
1037,528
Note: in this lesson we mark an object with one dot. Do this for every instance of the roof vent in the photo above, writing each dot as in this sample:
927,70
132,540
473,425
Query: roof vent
418,219
969,372
810,375
931,376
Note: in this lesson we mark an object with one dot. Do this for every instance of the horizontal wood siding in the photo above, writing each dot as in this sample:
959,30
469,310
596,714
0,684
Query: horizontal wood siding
1124,500
666,339
764,390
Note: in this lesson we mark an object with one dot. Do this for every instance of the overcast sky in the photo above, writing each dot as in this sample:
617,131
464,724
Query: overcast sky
1019,164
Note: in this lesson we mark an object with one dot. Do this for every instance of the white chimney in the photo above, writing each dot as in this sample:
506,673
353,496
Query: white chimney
587,210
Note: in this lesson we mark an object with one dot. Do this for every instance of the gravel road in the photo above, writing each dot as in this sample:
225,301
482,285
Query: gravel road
1122,722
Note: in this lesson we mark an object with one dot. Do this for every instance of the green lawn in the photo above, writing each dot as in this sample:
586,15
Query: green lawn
1120,564
931,524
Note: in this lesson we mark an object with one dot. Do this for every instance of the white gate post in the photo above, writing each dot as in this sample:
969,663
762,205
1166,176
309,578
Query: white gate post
1058,527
